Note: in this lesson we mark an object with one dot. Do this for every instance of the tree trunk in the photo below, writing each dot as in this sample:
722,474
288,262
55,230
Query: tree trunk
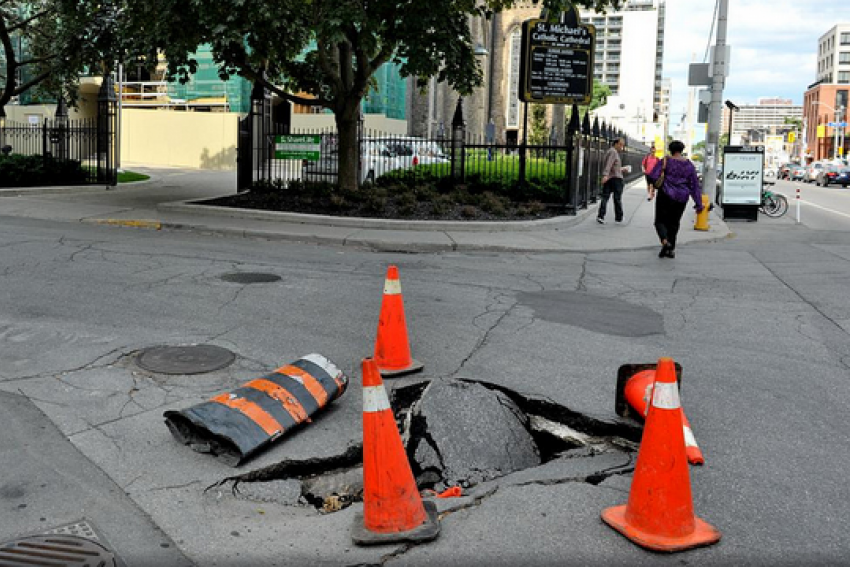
349,155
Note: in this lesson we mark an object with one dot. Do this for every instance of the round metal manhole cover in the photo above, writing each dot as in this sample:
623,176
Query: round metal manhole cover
196,359
54,550
250,278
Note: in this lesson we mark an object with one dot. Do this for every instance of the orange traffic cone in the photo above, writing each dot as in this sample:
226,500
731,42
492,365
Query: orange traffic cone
392,349
393,510
636,389
659,514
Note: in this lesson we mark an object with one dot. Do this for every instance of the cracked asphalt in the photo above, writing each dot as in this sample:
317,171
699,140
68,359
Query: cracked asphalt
759,321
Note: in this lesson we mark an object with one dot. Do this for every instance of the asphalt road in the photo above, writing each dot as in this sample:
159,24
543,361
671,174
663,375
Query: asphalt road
759,321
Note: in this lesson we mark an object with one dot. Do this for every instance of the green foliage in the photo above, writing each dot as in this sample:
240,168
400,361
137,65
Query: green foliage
538,132
329,49
34,171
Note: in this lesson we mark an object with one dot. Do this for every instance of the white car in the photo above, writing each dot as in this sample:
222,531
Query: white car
375,160
812,171
410,152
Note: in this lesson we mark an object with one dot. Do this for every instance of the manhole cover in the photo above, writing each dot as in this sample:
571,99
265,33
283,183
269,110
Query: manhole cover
250,278
196,359
56,551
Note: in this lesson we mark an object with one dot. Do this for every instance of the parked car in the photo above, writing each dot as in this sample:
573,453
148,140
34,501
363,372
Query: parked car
375,160
410,152
812,171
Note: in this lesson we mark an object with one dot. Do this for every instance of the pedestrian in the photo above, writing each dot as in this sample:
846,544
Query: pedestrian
612,181
647,166
680,181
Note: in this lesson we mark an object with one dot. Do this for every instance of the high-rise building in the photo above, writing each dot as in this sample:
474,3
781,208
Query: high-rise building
629,56
628,59
834,56
753,122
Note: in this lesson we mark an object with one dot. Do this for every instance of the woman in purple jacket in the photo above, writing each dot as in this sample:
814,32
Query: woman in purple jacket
680,182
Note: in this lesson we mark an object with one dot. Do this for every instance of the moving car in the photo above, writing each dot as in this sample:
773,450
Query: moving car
796,172
785,170
812,171
843,177
826,176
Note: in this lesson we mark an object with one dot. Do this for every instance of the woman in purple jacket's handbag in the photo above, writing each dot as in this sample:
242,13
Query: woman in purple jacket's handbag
680,182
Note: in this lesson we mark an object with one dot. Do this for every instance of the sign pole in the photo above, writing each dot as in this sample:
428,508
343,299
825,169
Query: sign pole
718,80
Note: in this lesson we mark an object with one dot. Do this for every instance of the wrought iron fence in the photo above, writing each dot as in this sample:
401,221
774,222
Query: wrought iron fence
565,174
59,141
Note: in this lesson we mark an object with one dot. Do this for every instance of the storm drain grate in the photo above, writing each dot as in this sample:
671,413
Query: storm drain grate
250,278
80,529
55,551
195,359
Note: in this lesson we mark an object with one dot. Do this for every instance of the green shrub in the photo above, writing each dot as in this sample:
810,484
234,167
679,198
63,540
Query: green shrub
36,170
494,204
406,203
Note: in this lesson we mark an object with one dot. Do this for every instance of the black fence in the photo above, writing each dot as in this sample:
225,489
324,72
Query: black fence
565,174
58,141
59,151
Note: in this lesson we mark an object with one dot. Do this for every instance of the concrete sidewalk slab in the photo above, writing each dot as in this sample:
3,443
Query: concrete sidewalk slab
170,201
47,483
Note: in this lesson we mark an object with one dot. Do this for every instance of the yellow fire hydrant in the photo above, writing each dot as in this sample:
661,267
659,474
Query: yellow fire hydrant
702,218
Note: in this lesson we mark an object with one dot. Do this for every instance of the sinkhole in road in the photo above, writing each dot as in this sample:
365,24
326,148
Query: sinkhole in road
460,432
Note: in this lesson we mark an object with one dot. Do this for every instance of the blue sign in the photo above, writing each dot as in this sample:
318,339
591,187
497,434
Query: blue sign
837,124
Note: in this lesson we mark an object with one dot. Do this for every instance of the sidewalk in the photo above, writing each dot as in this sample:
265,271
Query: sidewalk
166,202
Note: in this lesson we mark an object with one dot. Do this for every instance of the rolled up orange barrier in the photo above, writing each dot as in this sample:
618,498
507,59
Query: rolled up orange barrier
237,424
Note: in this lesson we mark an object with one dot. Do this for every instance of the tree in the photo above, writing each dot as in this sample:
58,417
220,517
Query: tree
538,131
598,99
48,44
329,49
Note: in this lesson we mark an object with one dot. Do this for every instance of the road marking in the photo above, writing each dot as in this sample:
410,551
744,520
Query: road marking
156,225
825,209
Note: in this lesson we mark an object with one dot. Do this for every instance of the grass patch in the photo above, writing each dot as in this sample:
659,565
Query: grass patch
131,177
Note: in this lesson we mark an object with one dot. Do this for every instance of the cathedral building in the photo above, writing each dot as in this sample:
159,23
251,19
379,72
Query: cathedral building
628,59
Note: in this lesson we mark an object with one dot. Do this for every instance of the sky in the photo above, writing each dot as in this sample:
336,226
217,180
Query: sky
773,46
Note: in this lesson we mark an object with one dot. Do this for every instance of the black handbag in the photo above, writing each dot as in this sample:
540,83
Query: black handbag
659,183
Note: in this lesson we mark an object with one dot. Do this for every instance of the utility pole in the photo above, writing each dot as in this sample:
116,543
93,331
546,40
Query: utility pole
718,74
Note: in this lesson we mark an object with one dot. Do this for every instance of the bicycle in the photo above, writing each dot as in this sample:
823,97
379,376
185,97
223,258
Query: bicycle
772,204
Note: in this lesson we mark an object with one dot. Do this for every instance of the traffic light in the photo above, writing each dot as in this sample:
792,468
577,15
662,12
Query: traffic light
792,137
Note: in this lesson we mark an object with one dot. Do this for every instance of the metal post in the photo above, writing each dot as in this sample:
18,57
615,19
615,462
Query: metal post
120,115
522,145
838,114
718,81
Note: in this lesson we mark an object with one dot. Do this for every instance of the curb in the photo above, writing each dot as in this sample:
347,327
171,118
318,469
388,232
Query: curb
194,207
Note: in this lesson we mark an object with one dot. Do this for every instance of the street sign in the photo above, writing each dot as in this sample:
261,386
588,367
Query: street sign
698,75
837,124
556,65
304,147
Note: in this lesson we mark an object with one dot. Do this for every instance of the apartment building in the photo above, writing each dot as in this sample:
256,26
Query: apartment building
629,57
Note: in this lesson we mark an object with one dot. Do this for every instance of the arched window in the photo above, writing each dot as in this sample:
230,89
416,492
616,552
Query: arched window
512,102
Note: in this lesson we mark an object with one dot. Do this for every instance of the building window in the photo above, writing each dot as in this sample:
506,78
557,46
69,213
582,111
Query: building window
845,38
843,77
844,57
512,117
